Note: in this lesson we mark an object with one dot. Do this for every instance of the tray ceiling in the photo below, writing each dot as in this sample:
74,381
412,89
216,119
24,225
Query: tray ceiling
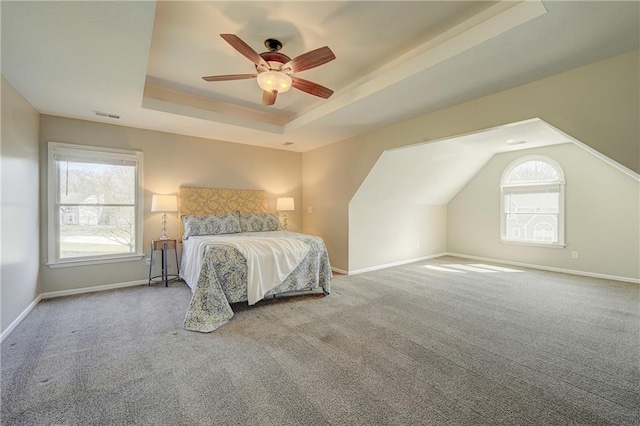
143,61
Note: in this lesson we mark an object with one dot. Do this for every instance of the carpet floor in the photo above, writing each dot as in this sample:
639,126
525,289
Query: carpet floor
439,342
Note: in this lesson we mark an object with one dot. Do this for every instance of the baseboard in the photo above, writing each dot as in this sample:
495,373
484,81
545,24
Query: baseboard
61,293
389,265
548,268
339,271
18,320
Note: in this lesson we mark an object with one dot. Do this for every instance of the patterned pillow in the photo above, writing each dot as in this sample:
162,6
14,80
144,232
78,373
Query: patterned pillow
258,222
211,224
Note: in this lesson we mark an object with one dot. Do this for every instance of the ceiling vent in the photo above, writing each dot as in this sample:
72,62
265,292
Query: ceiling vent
287,143
106,114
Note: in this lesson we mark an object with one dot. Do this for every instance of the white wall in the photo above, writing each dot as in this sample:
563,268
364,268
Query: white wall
170,161
19,199
399,212
385,233
602,216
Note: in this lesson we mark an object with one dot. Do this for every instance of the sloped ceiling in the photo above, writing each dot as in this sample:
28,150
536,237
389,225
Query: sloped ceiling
432,173
143,61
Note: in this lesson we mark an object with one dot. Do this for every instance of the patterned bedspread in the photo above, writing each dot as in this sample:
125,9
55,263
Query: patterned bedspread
223,280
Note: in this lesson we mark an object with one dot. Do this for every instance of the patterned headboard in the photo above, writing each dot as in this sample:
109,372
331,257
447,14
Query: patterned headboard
198,201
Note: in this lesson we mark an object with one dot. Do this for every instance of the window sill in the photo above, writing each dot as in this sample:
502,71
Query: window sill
532,244
88,262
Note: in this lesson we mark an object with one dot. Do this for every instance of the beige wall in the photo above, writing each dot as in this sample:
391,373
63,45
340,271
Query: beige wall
602,207
170,161
597,104
19,200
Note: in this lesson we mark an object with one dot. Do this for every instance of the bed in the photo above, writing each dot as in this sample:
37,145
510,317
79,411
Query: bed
234,251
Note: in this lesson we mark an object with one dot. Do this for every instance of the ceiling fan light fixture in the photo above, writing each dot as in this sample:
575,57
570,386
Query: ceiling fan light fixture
274,80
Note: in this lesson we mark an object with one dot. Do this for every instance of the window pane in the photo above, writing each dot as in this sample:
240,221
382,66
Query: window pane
532,202
532,172
533,199
96,231
94,203
87,183
532,216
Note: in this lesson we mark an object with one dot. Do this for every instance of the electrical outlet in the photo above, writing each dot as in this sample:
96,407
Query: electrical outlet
417,245
574,255
147,261
309,209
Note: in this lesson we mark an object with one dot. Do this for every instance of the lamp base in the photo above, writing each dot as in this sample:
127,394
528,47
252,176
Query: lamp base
164,227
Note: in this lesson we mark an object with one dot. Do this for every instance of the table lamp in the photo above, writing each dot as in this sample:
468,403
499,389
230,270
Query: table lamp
164,204
285,204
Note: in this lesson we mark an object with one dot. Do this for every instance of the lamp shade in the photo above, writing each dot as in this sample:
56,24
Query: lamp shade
285,204
164,203
274,80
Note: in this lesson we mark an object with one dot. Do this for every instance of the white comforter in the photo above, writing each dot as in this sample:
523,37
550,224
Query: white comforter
270,259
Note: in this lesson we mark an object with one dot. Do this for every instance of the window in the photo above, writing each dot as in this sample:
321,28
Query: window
95,205
532,197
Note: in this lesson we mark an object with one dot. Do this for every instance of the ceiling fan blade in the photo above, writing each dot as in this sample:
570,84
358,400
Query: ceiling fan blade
269,98
229,77
244,49
311,87
310,60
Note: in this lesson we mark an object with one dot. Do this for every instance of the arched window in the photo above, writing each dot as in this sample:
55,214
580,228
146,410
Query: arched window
532,197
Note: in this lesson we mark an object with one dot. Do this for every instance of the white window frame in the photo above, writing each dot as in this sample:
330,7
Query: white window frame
558,185
54,260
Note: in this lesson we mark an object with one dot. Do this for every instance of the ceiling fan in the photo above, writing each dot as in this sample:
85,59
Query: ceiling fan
275,70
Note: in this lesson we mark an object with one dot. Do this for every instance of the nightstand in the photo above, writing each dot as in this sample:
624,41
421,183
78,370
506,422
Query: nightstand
164,246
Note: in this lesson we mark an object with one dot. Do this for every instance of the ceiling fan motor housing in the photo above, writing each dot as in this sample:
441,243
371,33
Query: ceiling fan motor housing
275,60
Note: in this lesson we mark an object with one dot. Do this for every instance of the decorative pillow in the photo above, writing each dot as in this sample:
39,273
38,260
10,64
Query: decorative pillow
258,222
211,224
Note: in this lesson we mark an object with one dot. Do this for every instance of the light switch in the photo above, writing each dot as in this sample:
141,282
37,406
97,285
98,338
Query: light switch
309,209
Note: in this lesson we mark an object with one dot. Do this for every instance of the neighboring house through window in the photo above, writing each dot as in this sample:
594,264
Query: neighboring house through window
532,197
95,205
